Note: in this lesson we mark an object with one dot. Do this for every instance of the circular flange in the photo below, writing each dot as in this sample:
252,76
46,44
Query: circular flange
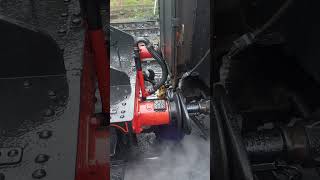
179,114
186,120
175,112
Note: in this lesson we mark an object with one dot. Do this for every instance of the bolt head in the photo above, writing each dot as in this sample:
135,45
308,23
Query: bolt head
64,14
39,173
76,21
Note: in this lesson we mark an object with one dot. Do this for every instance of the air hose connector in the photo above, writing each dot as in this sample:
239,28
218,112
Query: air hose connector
157,57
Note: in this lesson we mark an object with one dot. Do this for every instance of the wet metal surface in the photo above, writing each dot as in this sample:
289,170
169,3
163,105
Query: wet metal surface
28,107
9,156
122,76
39,114
20,44
149,29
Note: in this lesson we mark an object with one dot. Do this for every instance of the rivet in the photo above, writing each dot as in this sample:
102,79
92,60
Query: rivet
122,116
27,84
41,158
64,14
45,134
62,31
48,112
13,153
77,14
52,94
123,104
39,173
76,21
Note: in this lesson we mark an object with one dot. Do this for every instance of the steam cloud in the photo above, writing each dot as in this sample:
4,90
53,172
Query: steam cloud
190,160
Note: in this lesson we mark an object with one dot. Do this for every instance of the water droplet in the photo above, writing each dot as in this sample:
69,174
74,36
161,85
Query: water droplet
76,21
41,158
62,31
64,14
52,94
77,14
48,113
39,173
45,134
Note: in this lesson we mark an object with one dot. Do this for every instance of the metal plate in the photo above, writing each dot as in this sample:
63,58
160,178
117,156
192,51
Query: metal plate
22,44
122,76
34,118
43,124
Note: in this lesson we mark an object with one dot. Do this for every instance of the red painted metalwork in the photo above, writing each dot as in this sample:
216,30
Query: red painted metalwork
92,161
145,115
102,66
144,91
144,53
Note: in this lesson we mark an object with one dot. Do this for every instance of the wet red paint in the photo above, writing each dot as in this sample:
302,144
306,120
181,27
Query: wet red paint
145,115
140,77
101,64
92,157
144,53
144,112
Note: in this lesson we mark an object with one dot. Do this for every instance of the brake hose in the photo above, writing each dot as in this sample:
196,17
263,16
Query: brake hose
247,39
156,56
188,73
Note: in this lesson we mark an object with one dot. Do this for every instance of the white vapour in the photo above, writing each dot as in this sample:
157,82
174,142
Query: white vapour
188,161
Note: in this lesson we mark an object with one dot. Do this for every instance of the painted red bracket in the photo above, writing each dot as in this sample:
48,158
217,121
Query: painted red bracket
92,156
146,115
102,65
144,111
144,53
140,77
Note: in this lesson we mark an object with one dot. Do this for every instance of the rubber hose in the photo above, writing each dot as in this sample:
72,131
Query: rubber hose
159,60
